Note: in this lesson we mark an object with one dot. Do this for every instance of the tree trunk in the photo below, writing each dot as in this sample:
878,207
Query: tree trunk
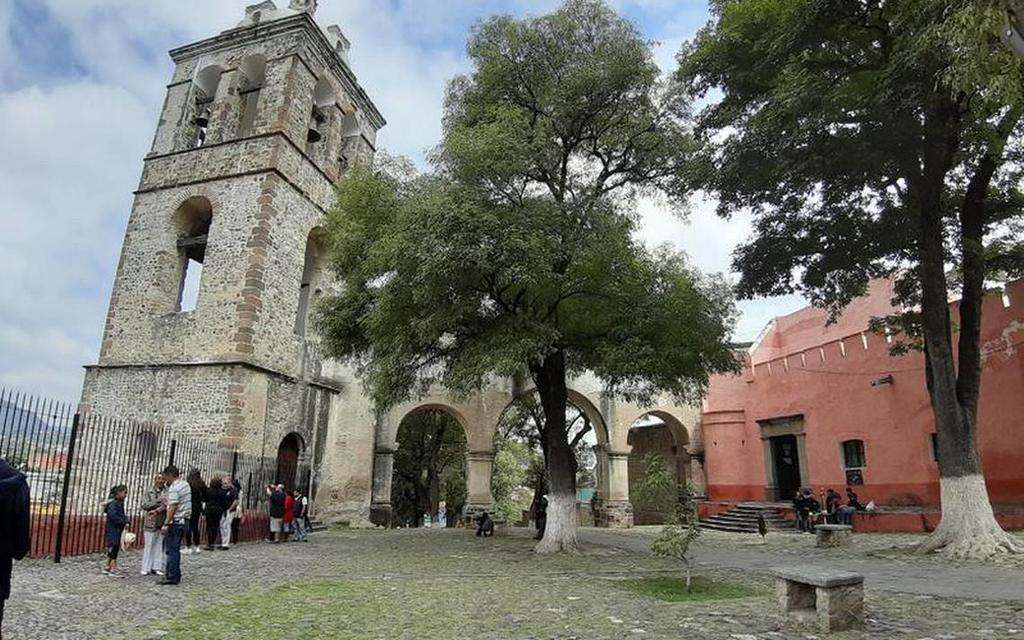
968,528
560,529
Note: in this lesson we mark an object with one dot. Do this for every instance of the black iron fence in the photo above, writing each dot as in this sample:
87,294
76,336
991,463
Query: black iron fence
73,459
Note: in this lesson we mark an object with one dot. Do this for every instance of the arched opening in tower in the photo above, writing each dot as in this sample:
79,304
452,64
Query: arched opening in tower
193,219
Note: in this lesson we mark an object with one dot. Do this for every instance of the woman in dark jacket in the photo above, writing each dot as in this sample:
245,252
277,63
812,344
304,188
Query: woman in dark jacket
195,483
116,522
15,527
216,499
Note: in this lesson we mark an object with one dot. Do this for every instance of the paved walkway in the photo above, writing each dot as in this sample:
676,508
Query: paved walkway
919,576
411,584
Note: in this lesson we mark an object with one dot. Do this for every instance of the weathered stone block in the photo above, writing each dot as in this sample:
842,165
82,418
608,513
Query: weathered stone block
833,535
826,599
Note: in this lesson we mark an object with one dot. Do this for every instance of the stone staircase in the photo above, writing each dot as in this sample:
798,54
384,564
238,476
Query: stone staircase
743,518
317,525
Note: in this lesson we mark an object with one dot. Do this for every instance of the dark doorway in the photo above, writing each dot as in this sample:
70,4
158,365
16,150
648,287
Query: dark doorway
787,466
288,461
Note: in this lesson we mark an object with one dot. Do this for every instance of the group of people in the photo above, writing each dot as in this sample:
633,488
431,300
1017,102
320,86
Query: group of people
172,512
830,509
289,513
168,508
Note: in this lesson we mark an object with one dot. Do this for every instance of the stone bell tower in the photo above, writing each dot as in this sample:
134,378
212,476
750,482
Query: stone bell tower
208,329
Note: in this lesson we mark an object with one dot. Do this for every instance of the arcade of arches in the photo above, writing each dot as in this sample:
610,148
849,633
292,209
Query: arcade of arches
624,433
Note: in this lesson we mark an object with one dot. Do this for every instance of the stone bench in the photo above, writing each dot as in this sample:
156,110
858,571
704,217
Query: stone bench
828,599
833,535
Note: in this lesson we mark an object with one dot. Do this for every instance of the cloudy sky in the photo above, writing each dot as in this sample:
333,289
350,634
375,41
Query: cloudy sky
81,86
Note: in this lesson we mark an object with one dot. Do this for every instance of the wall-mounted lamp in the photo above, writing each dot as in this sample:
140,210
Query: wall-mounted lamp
883,380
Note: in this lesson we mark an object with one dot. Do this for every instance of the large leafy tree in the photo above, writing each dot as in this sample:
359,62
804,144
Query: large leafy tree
517,255
875,138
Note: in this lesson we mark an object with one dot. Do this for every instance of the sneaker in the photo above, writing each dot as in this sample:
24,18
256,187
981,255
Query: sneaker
223,548
115,574
106,571
159,573
196,549
145,573
166,582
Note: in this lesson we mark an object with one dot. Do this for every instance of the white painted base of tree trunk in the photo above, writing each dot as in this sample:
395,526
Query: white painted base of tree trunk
968,528
560,528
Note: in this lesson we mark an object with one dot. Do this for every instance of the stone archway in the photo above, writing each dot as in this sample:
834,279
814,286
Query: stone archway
609,506
429,467
289,462
656,432
478,464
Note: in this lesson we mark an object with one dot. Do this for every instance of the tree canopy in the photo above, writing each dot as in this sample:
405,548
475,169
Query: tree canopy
517,254
873,139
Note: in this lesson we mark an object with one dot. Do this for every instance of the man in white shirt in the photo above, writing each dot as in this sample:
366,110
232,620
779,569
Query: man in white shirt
179,509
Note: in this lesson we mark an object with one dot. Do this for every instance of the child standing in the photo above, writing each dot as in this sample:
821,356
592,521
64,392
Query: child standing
116,522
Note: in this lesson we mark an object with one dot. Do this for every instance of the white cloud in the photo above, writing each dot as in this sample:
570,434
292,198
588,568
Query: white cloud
66,173
77,116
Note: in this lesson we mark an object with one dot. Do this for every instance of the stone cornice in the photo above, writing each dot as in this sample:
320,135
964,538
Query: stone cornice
236,362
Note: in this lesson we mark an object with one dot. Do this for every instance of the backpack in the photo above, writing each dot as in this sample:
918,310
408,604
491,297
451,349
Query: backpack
297,509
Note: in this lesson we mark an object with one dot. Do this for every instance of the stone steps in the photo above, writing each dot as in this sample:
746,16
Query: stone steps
317,525
743,519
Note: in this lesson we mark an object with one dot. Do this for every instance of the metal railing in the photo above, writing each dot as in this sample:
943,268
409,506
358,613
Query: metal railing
73,459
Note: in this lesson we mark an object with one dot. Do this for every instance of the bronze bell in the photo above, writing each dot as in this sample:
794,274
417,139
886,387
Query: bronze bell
203,119
314,135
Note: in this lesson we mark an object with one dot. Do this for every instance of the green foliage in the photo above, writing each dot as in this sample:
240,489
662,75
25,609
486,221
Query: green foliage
522,244
517,254
676,590
657,490
429,466
513,478
839,123
682,529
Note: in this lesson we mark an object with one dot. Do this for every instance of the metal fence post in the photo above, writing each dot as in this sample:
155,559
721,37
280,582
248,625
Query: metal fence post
59,542
174,448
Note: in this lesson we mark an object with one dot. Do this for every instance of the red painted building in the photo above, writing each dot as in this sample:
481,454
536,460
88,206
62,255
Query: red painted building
824,405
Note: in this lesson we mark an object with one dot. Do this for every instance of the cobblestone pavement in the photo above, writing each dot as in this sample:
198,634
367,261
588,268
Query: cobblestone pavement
885,560
424,583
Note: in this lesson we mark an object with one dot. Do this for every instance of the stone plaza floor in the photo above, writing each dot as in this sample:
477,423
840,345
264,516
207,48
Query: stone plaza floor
430,583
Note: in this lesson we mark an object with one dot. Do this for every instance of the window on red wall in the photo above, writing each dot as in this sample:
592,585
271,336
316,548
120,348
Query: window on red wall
853,454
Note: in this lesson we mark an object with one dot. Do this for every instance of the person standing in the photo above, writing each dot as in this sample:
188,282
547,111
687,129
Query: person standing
540,516
214,510
116,522
153,510
442,515
236,521
15,527
276,509
799,508
198,489
231,500
289,513
299,509
179,511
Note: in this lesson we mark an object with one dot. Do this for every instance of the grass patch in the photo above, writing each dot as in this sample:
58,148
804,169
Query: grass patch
674,589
